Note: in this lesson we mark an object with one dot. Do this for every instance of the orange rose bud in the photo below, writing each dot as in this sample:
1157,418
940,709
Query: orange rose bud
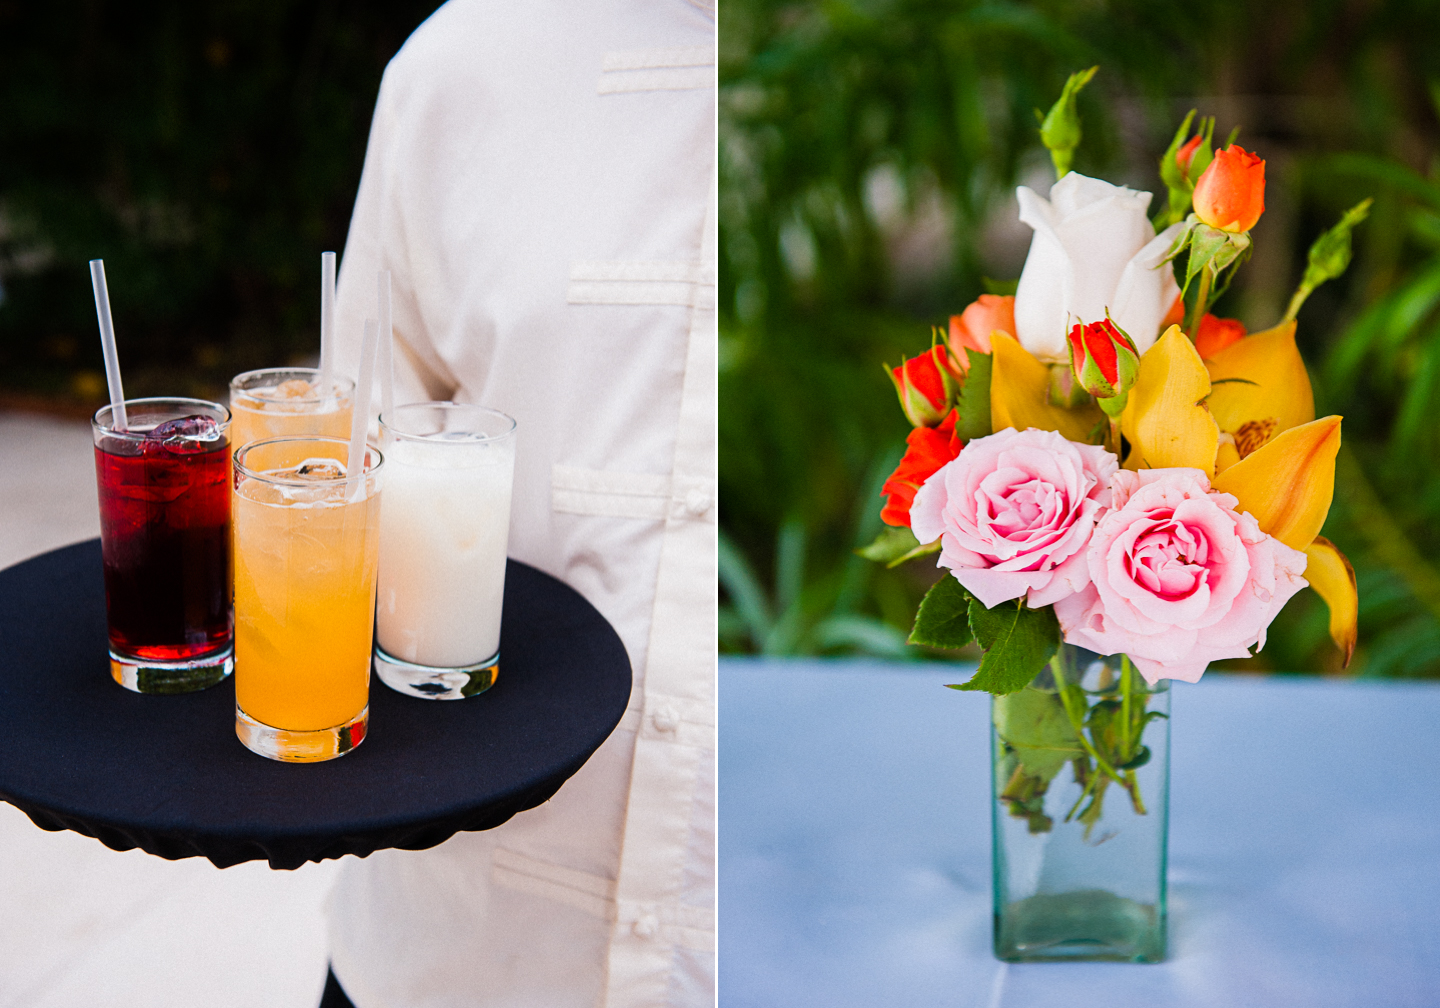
1216,334
1231,193
971,329
927,386
1185,154
926,450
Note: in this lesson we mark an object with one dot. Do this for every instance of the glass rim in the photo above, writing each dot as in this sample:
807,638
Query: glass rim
134,435
243,470
475,439
347,385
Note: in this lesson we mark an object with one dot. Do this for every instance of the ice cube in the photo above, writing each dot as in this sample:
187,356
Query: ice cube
188,434
157,493
295,388
312,469
321,469
262,492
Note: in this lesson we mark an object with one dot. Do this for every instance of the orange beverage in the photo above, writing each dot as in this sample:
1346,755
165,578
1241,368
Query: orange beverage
306,551
287,402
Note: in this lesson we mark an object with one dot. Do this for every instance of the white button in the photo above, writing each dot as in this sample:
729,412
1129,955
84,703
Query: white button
665,720
646,926
696,503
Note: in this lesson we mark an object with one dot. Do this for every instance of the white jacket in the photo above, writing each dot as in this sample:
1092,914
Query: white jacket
540,181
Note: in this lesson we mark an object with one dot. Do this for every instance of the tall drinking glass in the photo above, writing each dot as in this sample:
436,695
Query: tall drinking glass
442,548
306,545
165,536
288,402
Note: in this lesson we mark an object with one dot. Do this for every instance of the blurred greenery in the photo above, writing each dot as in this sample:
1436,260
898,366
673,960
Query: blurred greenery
869,150
207,152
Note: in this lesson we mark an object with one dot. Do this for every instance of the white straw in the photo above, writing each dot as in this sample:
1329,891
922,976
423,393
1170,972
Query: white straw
386,348
360,418
327,325
118,419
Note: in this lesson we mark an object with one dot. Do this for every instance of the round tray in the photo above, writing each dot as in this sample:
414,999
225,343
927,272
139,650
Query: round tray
167,774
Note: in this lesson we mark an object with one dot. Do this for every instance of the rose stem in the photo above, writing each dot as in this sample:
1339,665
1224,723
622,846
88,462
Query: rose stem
1192,328
1078,723
1127,693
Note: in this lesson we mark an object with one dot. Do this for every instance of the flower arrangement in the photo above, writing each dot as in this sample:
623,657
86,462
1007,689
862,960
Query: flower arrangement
1100,462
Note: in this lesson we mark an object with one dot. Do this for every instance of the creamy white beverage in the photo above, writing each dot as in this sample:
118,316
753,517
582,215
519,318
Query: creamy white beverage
444,528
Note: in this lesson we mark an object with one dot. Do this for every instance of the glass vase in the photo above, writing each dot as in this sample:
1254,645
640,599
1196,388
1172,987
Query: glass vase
1081,760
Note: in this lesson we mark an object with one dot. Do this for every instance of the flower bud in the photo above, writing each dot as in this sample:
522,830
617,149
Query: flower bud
926,450
1181,164
1104,360
1329,256
1060,127
1215,334
928,386
1185,154
1230,195
971,329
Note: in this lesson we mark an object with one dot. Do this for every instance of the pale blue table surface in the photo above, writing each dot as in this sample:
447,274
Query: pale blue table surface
855,846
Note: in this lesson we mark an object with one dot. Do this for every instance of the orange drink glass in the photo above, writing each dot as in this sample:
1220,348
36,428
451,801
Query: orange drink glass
306,550
288,402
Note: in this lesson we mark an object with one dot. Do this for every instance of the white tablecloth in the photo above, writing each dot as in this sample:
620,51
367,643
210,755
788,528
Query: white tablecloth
855,847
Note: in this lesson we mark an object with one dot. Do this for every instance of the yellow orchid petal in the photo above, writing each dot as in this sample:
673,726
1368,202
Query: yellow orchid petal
1281,390
1287,484
1331,575
1226,456
1019,394
1165,418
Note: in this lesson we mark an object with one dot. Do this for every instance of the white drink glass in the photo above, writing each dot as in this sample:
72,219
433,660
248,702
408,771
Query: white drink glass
443,533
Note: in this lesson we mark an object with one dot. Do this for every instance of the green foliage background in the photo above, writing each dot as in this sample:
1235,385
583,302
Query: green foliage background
208,152
855,131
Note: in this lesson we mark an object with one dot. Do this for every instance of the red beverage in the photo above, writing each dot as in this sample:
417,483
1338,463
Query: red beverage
165,535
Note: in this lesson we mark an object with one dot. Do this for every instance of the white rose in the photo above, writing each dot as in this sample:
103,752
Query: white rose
1094,248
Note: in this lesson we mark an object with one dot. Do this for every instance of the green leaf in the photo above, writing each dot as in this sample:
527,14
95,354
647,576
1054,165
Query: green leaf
974,401
1214,248
890,544
943,620
918,551
1034,724
1017,642
1103,722
1000,288
893,546
1024,793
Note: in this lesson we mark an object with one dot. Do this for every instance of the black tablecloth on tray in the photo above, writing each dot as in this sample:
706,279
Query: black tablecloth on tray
168,775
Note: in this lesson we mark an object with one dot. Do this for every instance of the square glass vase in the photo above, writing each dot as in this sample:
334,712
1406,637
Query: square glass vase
1081,761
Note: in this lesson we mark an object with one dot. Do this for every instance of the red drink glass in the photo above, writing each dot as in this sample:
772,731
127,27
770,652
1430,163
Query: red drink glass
165,535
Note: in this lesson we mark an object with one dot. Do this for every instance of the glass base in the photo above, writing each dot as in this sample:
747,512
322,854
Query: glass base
145,676
1090,925
301,746
431,683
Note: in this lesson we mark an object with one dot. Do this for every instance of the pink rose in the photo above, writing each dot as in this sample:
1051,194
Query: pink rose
1179,578
1013,514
